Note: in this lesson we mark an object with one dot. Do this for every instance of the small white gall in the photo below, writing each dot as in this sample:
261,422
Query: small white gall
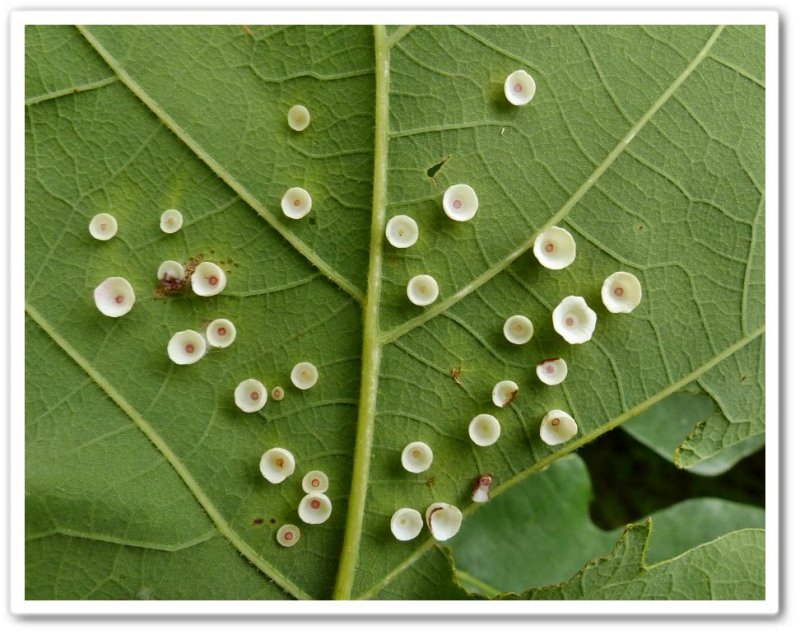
315,482
574,320
114,297
554,248
406,524
296,203
171,221
304,375
314,509
557,427
298,118
460,202
208,279
220,333
186,347
103,226
484,430
621,292
250,395
519,88
171,271
504,392
416,457
422,290
288,535
278,393
402,231
518,329
276,465
552,371
480,493
444,520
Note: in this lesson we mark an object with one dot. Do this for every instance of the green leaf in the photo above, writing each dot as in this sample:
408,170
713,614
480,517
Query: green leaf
696,521
647,143
540,532
729,568
664,428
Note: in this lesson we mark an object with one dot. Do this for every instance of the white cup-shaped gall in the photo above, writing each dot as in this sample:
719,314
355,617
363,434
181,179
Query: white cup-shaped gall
557,427
298,117
519,88
114,297
406,524
460,202
276,465
221,333
250,395
481,489
504,392
402,231
304,375
416,457
171,221
186,347
621,292
315,481
314,509
422,290
208,279
288,535
574,320
171,271
551,371
103,226
444,520
518,329
296,203
554,248
484,430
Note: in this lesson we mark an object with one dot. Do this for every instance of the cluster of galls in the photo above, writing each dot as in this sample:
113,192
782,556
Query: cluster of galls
573,319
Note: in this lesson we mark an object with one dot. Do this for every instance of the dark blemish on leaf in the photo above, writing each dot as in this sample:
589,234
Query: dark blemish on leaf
169,286
431,172
430,482
455,373
312,221
272,521
258,521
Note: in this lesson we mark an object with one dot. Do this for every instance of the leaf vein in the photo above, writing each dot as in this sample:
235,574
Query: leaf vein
180,468
503,263
219,170
572,447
